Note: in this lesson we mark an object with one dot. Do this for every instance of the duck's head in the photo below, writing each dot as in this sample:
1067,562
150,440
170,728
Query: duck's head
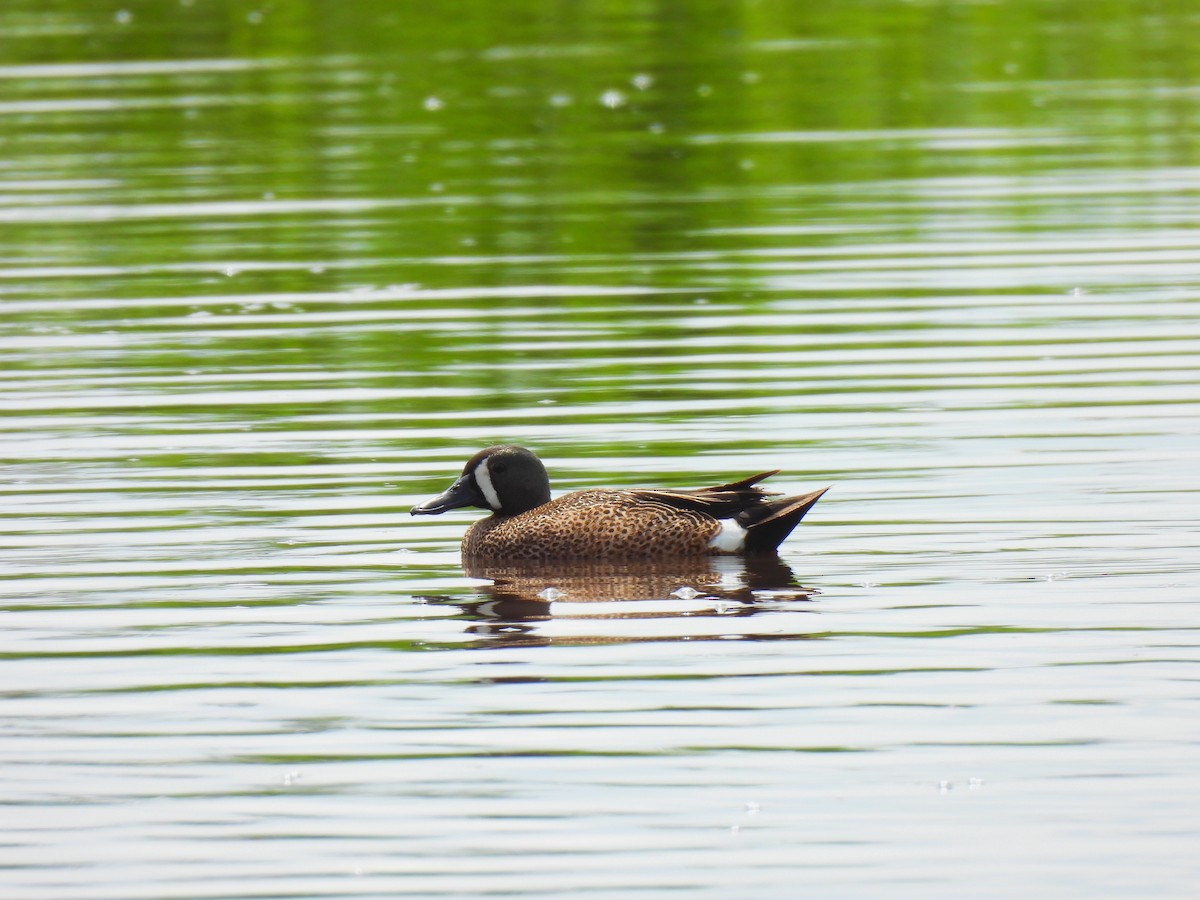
506,479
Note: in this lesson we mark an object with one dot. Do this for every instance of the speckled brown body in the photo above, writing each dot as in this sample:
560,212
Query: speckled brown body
593,524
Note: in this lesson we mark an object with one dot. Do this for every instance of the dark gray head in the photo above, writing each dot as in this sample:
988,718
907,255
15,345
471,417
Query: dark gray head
506,479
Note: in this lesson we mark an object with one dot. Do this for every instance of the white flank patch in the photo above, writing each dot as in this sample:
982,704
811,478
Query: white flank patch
730,539
483,478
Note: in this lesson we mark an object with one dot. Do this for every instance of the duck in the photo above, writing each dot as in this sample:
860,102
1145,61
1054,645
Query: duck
527,526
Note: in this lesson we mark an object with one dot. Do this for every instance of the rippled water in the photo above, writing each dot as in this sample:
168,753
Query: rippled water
264,286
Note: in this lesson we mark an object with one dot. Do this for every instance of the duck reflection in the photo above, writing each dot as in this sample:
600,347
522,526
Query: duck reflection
518,597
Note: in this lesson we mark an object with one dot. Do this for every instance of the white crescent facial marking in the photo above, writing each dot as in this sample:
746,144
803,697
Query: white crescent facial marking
483,478
730,539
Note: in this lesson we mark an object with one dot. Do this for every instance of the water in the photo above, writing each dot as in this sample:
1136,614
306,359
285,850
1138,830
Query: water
271,275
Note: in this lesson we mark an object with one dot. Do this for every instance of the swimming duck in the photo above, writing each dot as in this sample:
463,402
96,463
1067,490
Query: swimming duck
605,523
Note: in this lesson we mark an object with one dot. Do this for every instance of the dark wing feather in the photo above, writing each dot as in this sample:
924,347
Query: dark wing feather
746,484
724,501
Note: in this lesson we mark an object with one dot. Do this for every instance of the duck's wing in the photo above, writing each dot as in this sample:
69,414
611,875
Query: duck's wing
768,518
723,501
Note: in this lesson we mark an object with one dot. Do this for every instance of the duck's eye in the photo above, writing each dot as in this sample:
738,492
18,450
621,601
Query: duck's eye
498,467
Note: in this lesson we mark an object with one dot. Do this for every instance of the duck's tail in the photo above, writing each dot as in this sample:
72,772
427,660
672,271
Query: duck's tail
768,523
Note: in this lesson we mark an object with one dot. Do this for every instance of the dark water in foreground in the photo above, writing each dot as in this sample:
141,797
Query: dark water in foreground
269,276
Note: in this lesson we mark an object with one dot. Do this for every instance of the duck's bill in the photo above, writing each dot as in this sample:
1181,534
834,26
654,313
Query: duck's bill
462,493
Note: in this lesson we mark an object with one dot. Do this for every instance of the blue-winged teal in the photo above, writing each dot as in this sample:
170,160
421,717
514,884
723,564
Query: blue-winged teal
526,525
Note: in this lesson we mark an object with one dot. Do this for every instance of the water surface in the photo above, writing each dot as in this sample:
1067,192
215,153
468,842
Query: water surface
268,277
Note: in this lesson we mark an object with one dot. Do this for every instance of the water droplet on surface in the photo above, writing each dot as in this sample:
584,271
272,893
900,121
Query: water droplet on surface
642,81
945,787
229,271
433,104
123,17
561,100
254,17
612,99
704,90
550,594
685,593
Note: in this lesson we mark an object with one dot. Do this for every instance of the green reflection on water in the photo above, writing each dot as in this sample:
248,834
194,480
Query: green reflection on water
616,128
311,175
